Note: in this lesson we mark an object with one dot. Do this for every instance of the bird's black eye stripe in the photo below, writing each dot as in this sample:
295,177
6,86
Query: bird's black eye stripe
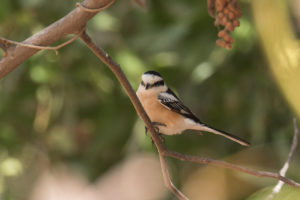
158,83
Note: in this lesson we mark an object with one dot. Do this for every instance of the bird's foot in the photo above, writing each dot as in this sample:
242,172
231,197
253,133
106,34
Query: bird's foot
158,124
162,139
155,126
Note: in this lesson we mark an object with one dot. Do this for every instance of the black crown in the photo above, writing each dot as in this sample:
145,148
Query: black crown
153,73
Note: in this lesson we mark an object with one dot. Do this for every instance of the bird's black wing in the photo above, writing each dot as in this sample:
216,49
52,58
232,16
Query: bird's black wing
169,100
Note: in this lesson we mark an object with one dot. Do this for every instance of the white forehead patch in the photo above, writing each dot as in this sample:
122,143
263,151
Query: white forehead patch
150,78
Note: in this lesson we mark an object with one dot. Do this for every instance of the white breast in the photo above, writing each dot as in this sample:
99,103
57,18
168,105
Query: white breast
175,123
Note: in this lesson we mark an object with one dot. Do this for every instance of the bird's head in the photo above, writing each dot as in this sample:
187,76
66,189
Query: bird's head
152,80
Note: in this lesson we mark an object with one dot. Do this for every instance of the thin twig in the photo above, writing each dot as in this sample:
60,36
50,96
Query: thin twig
32,46
167,179
94,10
286,165
115,68
219,163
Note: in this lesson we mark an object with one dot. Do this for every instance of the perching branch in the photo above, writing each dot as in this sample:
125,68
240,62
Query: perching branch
74,23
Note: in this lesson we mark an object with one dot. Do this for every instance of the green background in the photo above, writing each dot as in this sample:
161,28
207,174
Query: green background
69,110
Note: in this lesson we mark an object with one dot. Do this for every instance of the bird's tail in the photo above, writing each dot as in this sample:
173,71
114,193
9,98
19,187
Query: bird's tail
203,127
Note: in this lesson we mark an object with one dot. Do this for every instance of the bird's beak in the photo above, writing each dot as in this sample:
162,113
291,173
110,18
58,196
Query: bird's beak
147,86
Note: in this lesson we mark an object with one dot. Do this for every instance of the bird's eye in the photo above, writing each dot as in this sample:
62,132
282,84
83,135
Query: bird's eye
159,83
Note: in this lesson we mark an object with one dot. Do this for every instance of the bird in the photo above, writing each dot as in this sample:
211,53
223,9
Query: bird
167,112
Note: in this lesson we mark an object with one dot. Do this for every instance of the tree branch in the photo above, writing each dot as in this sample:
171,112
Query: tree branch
32,46
219,163
72,23
167,179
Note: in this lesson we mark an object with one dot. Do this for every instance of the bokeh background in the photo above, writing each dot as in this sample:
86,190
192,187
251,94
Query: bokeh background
68,130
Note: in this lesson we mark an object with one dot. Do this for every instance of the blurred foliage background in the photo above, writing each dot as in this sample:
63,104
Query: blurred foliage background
68,130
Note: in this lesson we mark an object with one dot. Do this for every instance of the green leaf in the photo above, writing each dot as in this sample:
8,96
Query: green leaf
286,193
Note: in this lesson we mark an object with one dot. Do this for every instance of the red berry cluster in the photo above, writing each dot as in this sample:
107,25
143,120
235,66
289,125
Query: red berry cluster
226,14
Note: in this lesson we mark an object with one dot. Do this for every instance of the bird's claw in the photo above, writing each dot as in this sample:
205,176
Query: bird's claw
162,139
158,124
156,128
155,125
